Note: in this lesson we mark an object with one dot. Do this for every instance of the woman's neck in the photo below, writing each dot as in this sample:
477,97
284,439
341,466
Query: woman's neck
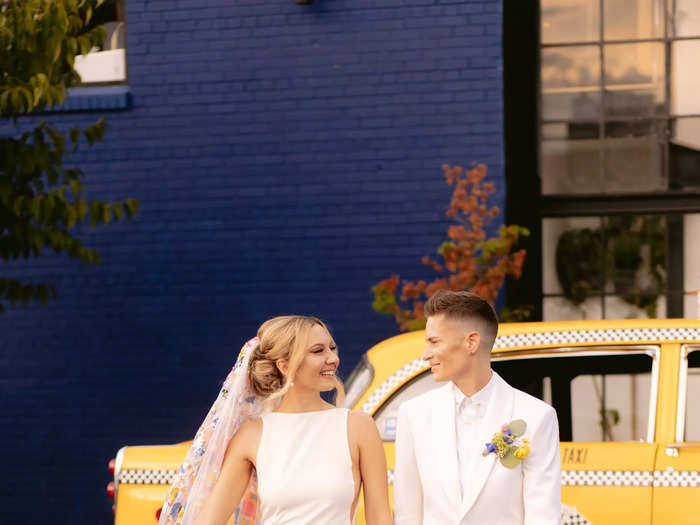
302,400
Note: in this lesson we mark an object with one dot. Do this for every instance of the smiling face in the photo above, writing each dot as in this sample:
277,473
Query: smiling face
317,370
451,346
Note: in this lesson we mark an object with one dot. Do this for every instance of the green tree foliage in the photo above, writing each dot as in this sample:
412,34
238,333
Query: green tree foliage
42,199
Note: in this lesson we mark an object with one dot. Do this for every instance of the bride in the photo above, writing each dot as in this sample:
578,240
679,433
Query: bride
271,451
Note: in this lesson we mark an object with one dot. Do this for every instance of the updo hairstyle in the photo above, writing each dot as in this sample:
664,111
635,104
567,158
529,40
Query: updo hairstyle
284,337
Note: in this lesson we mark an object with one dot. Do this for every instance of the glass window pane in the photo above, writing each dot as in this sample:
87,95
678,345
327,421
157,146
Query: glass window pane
569,21
634,79
604,267
623,398
562,309
691,263
107,63
691,305
633,19
617,307
684,17
583,388
634,156
572,252
685,77
570,159
692,408
684,154
635,265
570,83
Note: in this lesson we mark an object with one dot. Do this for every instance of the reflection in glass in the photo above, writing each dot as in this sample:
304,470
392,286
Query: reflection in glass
684,156
570,83
633,19
570,163
617,308
572,257
569,21
685,77
636,263
684,17
633,156
622,398
634,79
604,267
561,309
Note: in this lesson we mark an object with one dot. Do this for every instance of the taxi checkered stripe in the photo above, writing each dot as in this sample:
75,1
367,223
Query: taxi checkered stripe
571,516
146,477
622,478
677,478
631,335
617,478
395,380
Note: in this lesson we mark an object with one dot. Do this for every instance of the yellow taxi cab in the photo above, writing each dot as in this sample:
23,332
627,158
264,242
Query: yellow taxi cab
627,394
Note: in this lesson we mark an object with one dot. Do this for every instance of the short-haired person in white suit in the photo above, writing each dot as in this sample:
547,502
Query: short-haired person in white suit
475,451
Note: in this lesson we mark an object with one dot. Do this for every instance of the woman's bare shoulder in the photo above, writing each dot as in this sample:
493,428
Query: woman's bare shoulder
251,429
361,426
245,442
360,419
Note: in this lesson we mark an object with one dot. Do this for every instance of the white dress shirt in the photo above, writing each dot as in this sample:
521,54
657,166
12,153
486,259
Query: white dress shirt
469,411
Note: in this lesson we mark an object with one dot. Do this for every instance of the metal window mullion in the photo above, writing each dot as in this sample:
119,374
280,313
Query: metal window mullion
601,174
601,113
666,150
623,41
539,111
620,118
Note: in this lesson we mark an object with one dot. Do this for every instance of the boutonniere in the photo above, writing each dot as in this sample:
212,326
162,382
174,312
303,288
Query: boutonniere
507,445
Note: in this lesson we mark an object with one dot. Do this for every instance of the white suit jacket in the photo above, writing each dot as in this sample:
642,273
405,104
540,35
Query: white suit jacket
426,480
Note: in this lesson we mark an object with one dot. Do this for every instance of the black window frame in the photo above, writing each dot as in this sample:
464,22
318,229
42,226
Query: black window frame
525,203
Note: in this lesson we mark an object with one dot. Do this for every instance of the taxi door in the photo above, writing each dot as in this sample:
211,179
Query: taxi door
677,474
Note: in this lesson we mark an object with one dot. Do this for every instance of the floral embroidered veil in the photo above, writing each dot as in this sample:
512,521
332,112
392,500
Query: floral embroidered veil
199,471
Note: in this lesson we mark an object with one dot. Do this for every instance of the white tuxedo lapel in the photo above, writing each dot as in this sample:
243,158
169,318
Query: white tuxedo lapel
498,412
444,441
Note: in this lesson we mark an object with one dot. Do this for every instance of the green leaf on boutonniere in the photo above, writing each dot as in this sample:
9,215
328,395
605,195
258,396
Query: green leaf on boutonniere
517,427
509,460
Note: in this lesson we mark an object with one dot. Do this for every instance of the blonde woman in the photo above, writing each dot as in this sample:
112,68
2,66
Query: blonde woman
271,451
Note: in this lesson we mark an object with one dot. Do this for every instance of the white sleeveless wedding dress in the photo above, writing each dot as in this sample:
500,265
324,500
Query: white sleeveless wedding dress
304,468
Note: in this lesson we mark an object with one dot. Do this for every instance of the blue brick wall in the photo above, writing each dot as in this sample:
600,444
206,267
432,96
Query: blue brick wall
286,158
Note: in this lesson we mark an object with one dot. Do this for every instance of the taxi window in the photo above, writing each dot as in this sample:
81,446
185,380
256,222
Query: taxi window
692,411
599,394
385,418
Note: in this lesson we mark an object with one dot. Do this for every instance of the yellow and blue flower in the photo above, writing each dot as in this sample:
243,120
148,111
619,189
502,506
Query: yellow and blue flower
507,445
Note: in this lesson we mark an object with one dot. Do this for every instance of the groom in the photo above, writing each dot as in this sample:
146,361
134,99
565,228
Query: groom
475,451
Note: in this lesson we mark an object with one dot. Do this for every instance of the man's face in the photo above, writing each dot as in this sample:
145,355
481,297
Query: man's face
448,344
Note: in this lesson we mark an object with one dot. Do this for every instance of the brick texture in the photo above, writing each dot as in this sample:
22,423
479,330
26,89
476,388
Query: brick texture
286,158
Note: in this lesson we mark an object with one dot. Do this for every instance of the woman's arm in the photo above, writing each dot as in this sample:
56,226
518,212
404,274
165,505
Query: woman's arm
372,470
234,477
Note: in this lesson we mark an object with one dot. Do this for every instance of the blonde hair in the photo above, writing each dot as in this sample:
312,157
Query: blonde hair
284,337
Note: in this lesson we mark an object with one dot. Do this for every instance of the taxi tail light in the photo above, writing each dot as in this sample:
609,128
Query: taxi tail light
112,462
110,489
